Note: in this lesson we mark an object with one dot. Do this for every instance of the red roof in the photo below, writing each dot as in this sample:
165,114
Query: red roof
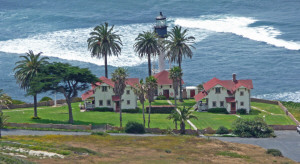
87,94
228,84
230,99
163,78
200,95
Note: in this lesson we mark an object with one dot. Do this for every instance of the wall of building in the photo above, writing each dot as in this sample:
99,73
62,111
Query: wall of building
161,88
188,92
245,99
212,96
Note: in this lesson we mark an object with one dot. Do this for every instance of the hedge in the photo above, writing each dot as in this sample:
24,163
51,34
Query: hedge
136,110
103,109
161,97
218,110
161,109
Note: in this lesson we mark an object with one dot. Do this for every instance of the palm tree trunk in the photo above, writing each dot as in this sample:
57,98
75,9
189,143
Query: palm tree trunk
120,111
35,105
180,86
70,111
182,127
149,64
176,125
149,114
1,121
144,114
105,63
0,133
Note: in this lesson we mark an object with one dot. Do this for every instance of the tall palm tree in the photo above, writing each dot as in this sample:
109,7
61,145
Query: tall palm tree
151,86
184,115
140,91
119,77
176,76
4,101
179,45
147,45
104,42
175,116
27,69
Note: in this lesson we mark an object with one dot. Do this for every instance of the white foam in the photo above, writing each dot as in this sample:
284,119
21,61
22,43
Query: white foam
285,96
239,26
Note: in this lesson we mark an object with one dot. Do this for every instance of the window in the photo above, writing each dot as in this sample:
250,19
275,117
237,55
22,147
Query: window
242,103
128,102
241,93
221,103
170,86
100,103
128,92
156,92
214,104
218,90
104,89
108,103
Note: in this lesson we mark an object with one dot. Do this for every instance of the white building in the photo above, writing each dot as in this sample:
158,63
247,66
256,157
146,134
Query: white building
102,95
230,94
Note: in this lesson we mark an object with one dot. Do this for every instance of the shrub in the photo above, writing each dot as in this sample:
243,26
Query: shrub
241,111
136,110
77,99
274,152
217,110
168,151
222,130
45,99
161,97
209,130
104,109
161,109
134,127
99,133
17,102
256,127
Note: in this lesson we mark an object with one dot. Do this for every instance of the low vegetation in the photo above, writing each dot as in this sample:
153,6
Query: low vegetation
222,130
274,152
134,127
294,108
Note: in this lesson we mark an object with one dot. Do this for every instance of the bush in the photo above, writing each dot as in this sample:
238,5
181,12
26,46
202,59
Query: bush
104,109
99,133
17,102
161,109
241,111
222,130
77,99
256,127
45,99
136,110
209,130
134,127
274,152
161,97
217,110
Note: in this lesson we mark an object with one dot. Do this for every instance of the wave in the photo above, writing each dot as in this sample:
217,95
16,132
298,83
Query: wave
238,26
285,96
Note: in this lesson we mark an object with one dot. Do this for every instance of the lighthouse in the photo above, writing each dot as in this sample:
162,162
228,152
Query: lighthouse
161,30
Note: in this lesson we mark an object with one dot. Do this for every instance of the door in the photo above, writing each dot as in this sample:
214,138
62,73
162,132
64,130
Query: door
233,111
166,93
192,93
117,106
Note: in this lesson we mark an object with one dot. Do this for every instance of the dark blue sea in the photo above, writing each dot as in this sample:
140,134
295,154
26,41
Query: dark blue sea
257,39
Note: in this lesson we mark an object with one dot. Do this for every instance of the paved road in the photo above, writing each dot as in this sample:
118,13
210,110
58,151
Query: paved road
288,142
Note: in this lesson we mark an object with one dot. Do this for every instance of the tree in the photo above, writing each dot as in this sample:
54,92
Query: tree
119,78
175,116
140,90
200,87
26,70
176,76
185,114
151,87
4,101
147,45
66,79
104,42
179,45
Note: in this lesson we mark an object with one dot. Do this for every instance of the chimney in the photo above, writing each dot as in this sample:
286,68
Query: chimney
234,77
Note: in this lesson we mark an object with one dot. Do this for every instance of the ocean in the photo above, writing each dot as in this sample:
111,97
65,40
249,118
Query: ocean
258,40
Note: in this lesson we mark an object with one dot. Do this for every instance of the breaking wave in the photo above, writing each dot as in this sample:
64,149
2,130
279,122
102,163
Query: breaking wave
285,96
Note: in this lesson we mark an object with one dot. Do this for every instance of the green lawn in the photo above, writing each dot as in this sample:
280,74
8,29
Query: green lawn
293,108
186,102
59,115
271,108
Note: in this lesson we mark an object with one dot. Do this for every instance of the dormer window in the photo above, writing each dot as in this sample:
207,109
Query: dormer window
241,93
128,92
218,90
104,89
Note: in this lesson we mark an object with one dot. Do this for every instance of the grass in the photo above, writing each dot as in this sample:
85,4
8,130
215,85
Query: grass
160,149
293,108
186,102
271,108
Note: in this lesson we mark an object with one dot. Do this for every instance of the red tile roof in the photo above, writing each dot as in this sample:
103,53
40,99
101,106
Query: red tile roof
230,99
87,94
163,78
200,95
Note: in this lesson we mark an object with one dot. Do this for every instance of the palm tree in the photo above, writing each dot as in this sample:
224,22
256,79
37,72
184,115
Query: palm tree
4,101
119,77
147,44
151,86
140,91
175,116
27,69
185,114
176,75
103,42
179,45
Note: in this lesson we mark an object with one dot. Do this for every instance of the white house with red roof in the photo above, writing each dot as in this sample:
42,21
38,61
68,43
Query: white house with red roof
102,95
165,85
230,94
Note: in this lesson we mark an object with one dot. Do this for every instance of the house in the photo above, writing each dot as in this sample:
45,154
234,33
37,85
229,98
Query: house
165,85
189,92
230,94
102,95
